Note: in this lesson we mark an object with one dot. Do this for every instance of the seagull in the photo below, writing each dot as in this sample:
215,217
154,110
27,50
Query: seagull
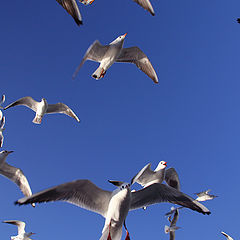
204,196
2,123
227,236
149,176
72,8
14,174
146,4
22,235
106,55
42,108
173,210
113,206
171,230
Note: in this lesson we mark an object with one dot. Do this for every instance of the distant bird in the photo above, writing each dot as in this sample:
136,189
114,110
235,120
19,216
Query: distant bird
14,174
227,236
173,210
146,4
238,20
2,123
72,8
106,55
113,206
22,235
43,107
86,2
204,196
171,230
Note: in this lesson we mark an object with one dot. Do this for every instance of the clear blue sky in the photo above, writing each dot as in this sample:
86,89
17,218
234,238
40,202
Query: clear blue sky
191,119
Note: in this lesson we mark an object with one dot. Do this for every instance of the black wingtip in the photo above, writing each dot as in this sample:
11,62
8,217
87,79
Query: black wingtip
17,203
79,22
238,20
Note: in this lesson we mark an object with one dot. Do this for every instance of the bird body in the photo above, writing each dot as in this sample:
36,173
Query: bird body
42,108
172,228
204,196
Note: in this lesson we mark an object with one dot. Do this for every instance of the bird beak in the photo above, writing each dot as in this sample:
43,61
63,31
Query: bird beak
165,164
125,35
116,183
10,152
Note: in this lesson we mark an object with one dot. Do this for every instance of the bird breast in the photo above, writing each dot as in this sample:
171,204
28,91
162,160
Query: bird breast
118,207
42,108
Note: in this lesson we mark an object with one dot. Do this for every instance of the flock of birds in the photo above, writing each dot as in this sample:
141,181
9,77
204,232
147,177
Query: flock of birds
113,206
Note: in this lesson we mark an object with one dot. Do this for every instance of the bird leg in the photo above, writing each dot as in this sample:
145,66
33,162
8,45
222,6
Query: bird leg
127,236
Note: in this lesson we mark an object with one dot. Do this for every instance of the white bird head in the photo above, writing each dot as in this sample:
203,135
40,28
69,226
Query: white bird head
29,234
161,165
119,40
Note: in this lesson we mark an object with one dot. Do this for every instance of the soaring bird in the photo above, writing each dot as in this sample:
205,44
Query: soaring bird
171,230
43,107
22,235
106,55
14,174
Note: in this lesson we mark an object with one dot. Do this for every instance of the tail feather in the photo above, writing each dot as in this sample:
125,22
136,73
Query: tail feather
99,73
166,229
37,119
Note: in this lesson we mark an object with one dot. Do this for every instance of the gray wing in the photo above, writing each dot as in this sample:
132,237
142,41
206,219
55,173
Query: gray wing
82,193
172,179
17,176
157,193
146,175
95,53
137,56
72,8
175,218
61,108
146,5
25,101
172,235
203,193
19,224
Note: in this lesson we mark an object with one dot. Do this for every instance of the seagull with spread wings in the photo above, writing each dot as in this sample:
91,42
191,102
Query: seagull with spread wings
107,55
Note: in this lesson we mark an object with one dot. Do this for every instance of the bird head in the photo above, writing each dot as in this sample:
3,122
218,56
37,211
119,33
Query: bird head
161,165
119,40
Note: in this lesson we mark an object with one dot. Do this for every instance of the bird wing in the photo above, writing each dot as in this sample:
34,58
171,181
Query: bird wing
137,56
172,179
157,193
17,176
2,100
175,218
2,122
25,101
82,193
146,5
145,175
95,53
19,224
61,108
172,235
227,236
72,8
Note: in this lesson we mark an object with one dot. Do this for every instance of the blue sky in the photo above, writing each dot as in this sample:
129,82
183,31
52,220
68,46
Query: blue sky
190,119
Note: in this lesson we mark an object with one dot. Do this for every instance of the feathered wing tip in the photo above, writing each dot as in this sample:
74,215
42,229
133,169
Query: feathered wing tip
238,20
37,119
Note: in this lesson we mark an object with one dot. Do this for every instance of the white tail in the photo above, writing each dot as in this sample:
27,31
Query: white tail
99,73
37,119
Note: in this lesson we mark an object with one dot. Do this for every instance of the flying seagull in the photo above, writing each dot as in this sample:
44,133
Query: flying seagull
22,235
113,206
227,236
204,196
106,55
171,230
72,8
43,107
14,174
